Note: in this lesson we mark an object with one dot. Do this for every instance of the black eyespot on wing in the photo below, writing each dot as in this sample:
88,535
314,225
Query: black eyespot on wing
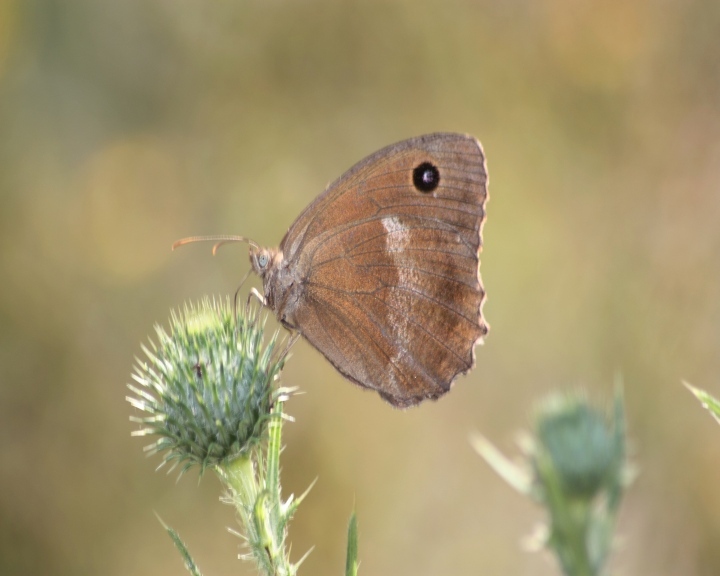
426,177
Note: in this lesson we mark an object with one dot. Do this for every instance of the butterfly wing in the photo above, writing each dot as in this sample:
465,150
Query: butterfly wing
386,266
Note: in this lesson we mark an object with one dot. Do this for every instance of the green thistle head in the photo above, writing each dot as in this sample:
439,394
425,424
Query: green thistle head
207,387
580,444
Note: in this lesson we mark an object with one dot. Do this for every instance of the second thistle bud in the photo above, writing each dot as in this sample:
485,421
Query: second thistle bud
581,445
576,468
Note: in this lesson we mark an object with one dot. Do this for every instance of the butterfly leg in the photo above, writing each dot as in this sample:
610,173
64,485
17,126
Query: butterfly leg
260,297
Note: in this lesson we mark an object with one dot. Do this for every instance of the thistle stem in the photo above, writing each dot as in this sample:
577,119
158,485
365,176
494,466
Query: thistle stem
254,488
239,477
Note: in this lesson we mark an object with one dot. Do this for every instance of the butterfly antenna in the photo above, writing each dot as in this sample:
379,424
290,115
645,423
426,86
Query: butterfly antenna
219,240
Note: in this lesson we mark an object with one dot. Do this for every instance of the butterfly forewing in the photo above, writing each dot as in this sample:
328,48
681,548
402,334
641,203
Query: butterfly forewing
387,265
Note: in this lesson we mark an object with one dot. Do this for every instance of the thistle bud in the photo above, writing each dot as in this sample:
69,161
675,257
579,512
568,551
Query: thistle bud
207,386
581,445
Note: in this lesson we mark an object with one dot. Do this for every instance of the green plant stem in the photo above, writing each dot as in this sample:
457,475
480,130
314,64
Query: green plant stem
253,481
239,476
568,526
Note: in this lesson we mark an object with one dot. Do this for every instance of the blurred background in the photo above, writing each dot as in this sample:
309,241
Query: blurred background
127,125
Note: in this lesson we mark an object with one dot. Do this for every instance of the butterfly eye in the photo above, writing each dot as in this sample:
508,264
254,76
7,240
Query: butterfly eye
426,177
262,260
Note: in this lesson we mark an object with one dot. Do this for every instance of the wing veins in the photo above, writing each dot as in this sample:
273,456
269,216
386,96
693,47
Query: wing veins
386,286
419,270
392,206
330,234
350,257
379,325
411,187
331,308
414,228
432,336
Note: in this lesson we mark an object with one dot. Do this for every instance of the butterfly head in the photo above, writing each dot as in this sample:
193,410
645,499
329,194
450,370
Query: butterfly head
263,259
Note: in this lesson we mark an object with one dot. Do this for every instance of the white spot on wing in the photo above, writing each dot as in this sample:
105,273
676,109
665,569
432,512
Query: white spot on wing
398,236
396,240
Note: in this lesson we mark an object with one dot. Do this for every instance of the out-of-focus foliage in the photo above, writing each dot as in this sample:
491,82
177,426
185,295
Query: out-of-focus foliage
127,125
709,402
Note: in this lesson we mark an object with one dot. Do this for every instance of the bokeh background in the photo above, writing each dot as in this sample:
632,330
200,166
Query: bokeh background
125,125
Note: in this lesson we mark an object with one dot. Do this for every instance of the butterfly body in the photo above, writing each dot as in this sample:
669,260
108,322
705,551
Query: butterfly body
380,272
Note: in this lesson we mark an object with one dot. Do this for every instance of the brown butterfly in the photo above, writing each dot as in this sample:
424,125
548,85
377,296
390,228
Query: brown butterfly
380,272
